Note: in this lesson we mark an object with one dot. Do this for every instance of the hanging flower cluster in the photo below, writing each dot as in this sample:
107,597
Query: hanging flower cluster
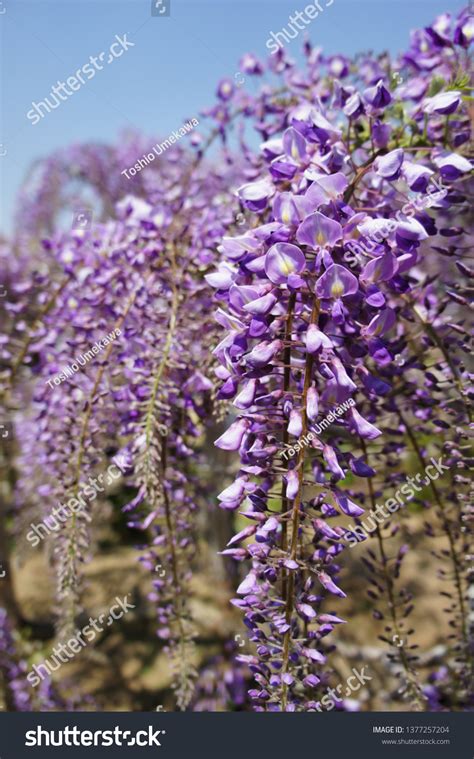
309,326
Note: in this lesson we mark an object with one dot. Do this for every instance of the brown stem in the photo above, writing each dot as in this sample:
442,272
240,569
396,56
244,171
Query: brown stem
295,514
391,592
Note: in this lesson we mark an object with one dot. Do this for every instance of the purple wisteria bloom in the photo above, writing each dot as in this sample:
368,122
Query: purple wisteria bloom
388,166
282,260
318,231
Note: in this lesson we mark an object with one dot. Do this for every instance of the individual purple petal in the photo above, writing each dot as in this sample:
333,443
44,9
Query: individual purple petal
318,231
222,278
363,427
282,168
330,458
272,148
247,532
360,468
235,248
268,530
325,529
378,96
249,585
375,297
332,619
377,228
452,165
381,323
336,282
313,654
247,395
342,377
263,353
285,208
282,260
225,89
339,66
464,31
315,338
389,166
295,282
417,176
306,611
411,229
443,102
312,404
294,144
325,187
380,269
327,583
261,305
295,426
256,195
234,491
292,484
347,506
231,440
354,107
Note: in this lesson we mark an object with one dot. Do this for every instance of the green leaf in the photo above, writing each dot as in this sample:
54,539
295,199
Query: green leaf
436,86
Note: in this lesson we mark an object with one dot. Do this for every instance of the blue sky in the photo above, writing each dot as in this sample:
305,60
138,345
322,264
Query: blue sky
170,73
